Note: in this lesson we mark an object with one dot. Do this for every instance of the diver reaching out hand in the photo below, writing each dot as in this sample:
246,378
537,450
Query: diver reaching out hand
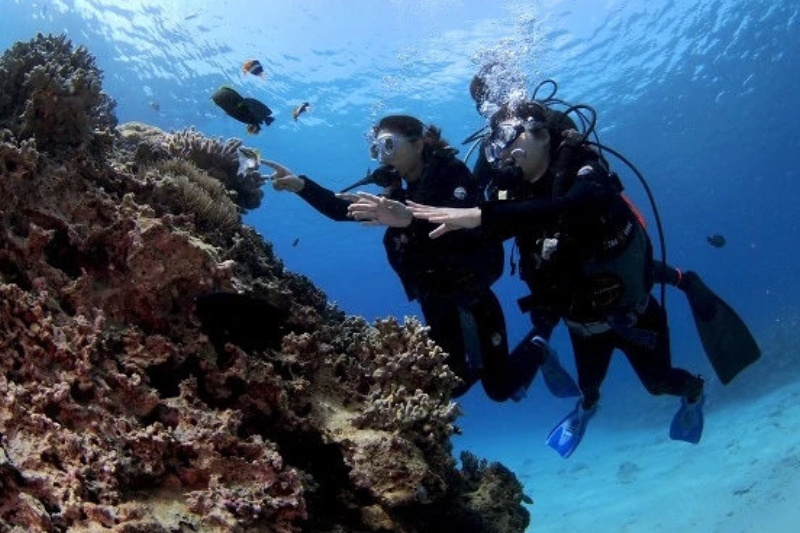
448,218
451,277
584,254
373,210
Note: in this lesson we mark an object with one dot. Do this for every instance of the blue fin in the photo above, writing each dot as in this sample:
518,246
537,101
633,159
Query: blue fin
687,425
565,437
558,381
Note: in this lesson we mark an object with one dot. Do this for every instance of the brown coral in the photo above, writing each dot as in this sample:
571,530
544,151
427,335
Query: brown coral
221,159
117,412
52,93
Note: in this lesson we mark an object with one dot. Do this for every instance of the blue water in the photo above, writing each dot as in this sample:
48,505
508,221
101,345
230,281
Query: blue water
700,95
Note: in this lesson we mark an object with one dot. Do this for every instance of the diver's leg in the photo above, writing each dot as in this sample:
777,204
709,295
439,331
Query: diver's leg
500,378
442,316
653,365
592,357
655,370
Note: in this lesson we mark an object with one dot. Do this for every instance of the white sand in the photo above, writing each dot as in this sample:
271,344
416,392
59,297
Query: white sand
628,476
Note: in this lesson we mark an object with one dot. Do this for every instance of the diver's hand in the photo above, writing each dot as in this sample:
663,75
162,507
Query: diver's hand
284,179
374,210
449,218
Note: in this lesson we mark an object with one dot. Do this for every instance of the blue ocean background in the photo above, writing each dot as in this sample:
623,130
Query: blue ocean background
700,95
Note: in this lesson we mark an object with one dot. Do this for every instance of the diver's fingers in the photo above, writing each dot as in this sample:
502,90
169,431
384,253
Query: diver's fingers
426,214
440,218
361,214
415,205
422,211
370,197
439,231
349,196
289,183
279,169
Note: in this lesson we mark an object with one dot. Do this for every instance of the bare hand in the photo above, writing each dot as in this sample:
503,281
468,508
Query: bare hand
449,218
375,210
284,179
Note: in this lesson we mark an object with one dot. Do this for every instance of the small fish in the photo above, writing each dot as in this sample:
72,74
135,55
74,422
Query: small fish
296,241
253,66
247,110
716,240
299,110
249,161
155,106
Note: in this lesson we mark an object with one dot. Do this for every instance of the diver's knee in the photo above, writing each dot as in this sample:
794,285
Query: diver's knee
657,388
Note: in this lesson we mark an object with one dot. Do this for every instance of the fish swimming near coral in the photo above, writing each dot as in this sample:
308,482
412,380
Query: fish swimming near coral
247,110
254,67
249,161
716,240
250,322
299,110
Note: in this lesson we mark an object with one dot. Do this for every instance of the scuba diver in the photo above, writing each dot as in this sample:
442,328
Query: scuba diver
587,259
451,278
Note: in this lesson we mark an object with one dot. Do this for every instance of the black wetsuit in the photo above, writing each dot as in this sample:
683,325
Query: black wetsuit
450,276
587,259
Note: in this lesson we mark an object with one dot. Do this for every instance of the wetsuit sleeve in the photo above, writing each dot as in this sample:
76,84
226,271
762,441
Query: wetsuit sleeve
324,200
592,192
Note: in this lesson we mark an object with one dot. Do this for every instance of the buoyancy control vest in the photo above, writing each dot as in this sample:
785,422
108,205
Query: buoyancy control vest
597,264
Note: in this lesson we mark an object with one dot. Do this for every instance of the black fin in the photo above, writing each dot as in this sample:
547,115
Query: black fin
727,341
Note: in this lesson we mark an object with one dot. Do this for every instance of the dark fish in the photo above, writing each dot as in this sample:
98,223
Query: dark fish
247,110
716,240
155,106
253,66
299,110
296,241
249,322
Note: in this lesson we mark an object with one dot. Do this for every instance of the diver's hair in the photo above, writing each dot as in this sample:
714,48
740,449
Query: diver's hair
413,129
495,82
478,87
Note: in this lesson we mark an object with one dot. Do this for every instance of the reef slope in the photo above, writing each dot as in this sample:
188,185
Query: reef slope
121,410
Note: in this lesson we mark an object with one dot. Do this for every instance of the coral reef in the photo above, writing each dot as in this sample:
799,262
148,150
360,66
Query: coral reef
221,159
118,412
53,93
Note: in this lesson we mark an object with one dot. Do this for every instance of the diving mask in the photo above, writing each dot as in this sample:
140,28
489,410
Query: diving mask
384,146
503,136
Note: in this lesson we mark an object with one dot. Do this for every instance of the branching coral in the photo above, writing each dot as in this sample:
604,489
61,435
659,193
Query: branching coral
52,93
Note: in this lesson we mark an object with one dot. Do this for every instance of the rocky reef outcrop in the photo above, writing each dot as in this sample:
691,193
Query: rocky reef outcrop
123,409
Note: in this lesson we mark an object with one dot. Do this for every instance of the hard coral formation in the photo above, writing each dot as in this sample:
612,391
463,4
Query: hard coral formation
53,93
118,412
221,159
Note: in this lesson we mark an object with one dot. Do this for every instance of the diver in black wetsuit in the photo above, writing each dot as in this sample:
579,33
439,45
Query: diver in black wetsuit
451,278
585,257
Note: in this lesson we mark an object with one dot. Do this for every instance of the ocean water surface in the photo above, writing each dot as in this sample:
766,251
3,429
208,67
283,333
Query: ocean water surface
699,95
